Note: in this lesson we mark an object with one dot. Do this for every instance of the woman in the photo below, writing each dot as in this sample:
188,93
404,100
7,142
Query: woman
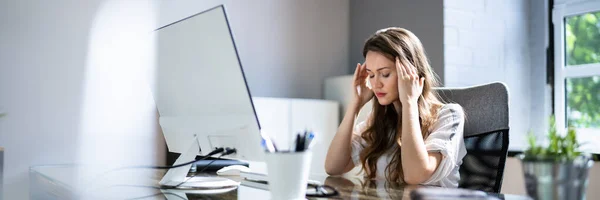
410,136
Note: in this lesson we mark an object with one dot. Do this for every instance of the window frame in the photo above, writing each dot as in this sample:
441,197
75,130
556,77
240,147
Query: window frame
561,70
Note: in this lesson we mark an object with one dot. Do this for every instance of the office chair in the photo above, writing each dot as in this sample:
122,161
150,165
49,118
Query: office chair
485,133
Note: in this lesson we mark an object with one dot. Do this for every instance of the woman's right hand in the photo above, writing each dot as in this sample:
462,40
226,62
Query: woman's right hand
362,93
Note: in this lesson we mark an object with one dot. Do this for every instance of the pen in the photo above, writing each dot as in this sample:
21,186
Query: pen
309,140
271,147
298,143
266,142
306,140
303,141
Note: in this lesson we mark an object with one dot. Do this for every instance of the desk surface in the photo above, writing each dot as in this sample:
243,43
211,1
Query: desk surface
65,182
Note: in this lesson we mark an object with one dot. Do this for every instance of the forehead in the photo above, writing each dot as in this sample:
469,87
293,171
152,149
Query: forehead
376,60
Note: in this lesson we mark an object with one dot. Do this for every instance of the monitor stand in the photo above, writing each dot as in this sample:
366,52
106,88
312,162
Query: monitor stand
174,177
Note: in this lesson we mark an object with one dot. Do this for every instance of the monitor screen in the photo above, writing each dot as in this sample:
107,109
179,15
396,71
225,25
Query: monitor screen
200,89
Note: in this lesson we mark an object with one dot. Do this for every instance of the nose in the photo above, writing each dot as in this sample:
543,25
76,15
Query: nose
376,83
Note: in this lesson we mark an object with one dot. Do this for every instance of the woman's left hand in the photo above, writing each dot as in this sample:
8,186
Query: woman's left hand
410,85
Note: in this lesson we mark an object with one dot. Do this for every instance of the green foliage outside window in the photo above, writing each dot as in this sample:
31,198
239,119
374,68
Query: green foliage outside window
582,34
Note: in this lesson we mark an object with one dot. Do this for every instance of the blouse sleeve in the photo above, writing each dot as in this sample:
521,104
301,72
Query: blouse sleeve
358,142
447,138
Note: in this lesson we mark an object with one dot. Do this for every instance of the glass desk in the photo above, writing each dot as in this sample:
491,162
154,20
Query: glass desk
68,182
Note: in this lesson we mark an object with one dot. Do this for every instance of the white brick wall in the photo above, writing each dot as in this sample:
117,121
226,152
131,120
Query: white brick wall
491,40
465,5
450,36
541,106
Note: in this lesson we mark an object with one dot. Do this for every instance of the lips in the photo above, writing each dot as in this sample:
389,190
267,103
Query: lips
380,94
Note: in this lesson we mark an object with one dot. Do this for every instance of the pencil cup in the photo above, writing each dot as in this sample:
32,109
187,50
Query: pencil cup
287,173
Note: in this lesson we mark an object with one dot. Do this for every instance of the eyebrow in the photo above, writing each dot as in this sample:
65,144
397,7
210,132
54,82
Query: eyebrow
379,68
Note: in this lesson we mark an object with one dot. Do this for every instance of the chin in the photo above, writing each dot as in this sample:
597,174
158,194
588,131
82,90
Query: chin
384,102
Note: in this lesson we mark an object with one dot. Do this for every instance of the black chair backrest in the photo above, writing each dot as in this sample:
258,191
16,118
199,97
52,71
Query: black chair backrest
485,133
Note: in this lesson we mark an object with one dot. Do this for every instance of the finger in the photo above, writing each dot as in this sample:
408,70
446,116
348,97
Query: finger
357,72
363,68
407,72
411,71
422,81
368,80
356,82
400,69
409,68
364,72
415,71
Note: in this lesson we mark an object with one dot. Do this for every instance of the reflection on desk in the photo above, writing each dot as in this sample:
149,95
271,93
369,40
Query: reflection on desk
63,182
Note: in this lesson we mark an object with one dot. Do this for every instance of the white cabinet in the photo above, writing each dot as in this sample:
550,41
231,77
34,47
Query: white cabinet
339,88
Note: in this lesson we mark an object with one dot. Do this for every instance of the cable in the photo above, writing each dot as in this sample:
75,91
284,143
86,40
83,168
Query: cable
222,151
216,151
164,193
227,151
158,194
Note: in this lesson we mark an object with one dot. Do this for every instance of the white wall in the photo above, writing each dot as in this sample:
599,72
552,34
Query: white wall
487,41
69,77
287,47
42,54
424,18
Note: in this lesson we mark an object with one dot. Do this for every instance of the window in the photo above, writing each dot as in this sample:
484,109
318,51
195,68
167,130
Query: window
577,69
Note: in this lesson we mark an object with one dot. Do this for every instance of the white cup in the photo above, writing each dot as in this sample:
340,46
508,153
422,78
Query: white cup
287,173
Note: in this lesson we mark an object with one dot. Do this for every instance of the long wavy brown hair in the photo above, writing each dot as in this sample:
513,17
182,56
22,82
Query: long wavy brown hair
381,134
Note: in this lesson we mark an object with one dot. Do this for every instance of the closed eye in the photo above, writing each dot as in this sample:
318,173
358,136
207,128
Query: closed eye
386,75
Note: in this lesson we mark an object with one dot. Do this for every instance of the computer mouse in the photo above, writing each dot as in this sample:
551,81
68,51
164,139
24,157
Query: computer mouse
232,170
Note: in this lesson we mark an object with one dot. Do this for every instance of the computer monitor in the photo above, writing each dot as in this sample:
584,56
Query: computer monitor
201,92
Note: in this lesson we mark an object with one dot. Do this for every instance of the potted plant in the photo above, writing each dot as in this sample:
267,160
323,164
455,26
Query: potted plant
557,170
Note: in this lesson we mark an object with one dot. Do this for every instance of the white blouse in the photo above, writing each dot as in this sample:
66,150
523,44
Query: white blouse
446,137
